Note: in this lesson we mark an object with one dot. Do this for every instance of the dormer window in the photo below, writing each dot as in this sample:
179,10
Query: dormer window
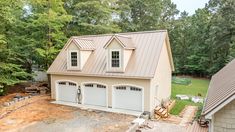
74,59
115,58
78,52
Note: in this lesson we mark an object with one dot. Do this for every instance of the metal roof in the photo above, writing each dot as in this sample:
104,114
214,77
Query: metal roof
221,88
125,41
83,44
142,64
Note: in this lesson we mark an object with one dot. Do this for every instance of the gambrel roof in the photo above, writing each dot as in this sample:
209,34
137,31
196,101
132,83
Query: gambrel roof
142,64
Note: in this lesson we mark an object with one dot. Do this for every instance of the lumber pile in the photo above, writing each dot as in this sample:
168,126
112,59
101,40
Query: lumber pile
163,112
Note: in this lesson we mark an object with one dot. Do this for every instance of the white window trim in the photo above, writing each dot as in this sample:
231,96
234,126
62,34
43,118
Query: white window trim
110,59
78,60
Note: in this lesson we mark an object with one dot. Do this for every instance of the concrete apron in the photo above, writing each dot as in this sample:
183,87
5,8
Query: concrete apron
121,111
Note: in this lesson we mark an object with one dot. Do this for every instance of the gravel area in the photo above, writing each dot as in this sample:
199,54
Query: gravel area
38,114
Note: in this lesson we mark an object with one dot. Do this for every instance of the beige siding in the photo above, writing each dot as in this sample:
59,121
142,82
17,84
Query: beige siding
84,55
224,119
107,81
126,57
161,83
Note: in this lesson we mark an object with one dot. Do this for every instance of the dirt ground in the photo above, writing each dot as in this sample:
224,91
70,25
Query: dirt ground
37,113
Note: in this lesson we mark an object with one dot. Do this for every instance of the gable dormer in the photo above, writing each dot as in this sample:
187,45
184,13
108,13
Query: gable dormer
78,52
118,52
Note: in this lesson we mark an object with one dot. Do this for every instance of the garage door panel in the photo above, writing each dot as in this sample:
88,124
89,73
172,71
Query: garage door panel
67,91
125,98
94,95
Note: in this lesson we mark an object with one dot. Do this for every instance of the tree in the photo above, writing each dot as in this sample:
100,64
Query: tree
11,72
91,17
45,25
222,33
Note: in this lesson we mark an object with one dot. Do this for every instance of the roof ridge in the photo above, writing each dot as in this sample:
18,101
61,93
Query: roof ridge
76,37
111,34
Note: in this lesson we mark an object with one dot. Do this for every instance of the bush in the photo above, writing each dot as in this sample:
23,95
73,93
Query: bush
1,90
181,81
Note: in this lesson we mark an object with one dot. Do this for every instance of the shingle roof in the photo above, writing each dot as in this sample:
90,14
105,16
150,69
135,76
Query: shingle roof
142,64
222,87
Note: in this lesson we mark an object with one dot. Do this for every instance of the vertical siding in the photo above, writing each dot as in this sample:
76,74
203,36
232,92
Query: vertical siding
224,119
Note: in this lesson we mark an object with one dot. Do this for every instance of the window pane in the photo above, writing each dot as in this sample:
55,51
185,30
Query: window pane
74,59
115,59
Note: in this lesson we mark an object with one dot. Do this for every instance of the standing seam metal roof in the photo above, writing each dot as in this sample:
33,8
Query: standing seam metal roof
222,87
142,64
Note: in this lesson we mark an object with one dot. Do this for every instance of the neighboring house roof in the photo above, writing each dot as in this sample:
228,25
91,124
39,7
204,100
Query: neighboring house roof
81,43
142,64
221,89
125,41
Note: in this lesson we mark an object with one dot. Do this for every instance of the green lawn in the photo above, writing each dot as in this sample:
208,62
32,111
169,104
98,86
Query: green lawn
198,86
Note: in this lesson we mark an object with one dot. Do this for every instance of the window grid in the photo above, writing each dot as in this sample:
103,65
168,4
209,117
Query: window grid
74,59
100,86
88,85
62,83
115,59
72,84
121,88
135,89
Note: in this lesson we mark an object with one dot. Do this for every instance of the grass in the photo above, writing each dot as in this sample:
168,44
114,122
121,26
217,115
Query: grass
198,86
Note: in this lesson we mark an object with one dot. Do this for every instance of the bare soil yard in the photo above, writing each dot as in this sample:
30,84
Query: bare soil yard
38,114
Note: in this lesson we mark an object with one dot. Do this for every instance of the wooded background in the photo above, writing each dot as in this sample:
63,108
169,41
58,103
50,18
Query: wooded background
32,32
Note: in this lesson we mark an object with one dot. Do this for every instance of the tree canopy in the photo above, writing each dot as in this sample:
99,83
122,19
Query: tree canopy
33,31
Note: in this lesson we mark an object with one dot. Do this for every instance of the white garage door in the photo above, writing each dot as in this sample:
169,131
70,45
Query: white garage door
95,94
127,97
67,91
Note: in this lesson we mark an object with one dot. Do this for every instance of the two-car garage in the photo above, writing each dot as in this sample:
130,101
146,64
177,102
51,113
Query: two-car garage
95,94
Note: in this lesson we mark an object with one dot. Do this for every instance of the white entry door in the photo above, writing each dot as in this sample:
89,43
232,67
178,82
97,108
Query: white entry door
67,91
127,97
94,94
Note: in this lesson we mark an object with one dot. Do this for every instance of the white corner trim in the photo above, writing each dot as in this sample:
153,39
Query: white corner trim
116,85
211,113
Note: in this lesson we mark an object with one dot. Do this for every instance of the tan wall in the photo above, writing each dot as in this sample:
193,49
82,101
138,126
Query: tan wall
107,81
126,57
224,119
162,79
84,55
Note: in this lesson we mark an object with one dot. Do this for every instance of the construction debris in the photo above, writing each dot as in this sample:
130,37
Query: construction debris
139,121
37,88
163,111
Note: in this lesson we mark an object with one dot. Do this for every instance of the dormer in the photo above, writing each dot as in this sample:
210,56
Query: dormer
118,52
78,51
